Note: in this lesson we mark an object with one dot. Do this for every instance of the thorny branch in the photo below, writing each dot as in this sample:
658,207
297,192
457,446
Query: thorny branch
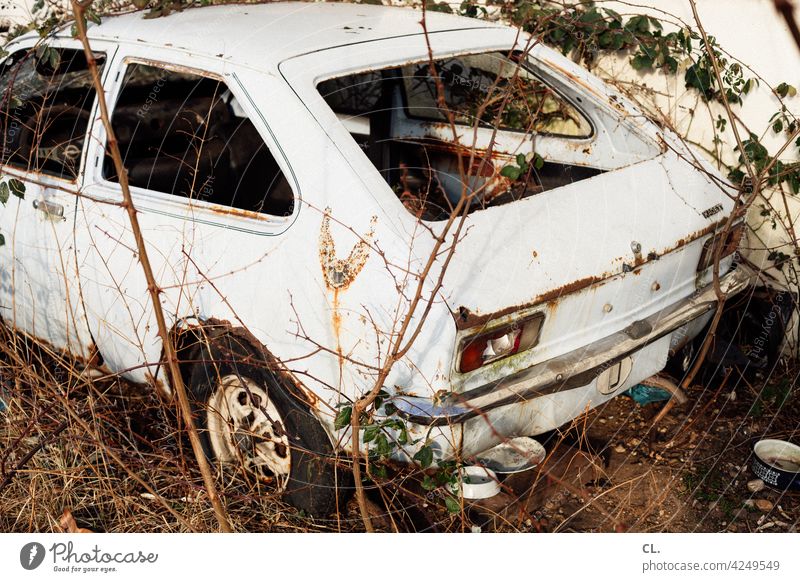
79,9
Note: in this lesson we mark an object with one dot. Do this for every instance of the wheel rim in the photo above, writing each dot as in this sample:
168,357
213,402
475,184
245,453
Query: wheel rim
245,426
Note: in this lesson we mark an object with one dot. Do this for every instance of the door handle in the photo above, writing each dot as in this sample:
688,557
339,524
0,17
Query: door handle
49,208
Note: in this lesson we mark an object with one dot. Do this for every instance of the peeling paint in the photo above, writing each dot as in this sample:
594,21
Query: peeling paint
339,273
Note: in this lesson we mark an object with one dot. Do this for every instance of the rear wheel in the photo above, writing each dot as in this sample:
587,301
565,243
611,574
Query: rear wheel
244,426
247,416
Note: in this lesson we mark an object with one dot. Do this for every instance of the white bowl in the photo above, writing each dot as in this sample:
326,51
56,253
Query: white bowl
477,483
514,456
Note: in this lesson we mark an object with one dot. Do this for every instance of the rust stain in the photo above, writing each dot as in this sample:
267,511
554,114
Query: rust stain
340,273
466,319
177,68
238,212
336,321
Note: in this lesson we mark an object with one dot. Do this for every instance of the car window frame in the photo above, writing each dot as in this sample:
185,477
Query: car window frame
60,181
173,205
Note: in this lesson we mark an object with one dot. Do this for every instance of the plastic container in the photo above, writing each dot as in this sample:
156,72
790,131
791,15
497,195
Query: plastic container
777,463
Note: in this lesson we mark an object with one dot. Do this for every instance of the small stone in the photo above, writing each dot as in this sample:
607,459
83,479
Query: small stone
602,421
749,503
764,505
619,449
476,529
755,485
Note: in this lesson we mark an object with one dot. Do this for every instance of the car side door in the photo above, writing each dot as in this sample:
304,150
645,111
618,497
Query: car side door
47,109
213,195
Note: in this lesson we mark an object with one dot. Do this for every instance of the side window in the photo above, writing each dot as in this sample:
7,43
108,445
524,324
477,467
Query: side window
47,97
184,134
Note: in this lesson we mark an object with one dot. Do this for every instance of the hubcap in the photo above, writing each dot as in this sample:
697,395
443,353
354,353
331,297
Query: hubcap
244,426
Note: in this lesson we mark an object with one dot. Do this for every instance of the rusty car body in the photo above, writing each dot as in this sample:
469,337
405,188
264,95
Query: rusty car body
292,169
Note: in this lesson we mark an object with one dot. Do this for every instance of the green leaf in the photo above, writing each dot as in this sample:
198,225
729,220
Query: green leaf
785,90
53,57
453,506
439,7
538,161
371,432
379,470
428,484
343,417
2,241
614,15
794,182
777,127
382,446
382,395
511,172
521,161
17,188
3,193
699,78
642,61
424,456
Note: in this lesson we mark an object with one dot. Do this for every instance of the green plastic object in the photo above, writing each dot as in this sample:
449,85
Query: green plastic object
643,395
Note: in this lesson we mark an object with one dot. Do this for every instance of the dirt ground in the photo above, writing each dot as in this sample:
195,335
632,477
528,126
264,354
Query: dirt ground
690,473
613,471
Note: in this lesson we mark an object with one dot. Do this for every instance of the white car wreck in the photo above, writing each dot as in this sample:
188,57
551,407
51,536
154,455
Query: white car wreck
292,166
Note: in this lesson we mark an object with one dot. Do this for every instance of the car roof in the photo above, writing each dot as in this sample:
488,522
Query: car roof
258,34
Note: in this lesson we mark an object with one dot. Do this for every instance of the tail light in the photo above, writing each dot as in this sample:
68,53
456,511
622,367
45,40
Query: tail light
502,342
729,245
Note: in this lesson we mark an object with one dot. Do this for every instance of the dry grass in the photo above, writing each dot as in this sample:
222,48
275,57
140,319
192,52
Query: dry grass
95,447
50,462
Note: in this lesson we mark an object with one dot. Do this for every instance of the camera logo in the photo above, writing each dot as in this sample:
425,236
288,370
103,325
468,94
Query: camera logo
31,555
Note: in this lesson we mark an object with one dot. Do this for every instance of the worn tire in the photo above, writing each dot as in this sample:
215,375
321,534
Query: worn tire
224,381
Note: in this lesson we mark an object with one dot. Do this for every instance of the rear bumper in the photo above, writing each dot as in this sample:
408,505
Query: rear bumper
573,370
